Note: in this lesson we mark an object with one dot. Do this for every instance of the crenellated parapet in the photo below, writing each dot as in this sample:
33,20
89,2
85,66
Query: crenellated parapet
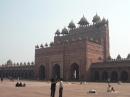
85,30
119,58
43,46
9,63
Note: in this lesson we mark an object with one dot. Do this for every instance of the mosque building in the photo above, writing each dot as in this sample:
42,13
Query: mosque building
74,50
77,53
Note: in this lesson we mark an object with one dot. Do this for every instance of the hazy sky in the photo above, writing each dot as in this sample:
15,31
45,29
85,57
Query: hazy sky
25,23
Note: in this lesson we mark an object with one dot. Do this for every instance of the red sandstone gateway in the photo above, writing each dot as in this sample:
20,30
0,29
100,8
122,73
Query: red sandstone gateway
73,51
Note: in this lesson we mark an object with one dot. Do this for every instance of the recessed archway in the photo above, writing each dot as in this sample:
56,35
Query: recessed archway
74,71
96,76
42,72
124,76
105,76
56,71
114,76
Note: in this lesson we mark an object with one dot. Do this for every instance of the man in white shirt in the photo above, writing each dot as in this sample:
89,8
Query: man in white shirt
60,87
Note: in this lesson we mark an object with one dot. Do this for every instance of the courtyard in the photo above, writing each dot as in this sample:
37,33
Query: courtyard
71,89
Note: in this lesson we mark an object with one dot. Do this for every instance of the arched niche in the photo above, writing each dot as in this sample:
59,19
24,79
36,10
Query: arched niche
74,71
56,71
42,72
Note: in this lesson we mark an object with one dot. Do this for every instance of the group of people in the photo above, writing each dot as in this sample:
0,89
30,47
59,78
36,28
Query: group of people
53,87
20,84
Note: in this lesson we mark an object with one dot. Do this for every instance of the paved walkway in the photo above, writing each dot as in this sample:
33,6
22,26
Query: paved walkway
42,89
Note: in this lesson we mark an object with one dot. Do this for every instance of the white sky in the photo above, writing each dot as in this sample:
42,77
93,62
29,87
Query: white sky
25,23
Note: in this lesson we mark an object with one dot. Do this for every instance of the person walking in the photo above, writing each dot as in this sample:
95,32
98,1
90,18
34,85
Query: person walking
60,88
53,87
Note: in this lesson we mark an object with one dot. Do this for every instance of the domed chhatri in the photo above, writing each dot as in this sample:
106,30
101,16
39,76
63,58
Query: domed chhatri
51,44
96,19
57,32
64,31
104,20
46,45
41,46
118,57
36,46
71,25
9,62
83,21
128,56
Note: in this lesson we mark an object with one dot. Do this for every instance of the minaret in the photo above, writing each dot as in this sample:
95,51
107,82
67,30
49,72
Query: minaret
106,41
103,25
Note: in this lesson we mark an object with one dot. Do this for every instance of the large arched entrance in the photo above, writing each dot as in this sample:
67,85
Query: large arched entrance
42,72
56,71
96,76
74,71
124,76
114,76
104,76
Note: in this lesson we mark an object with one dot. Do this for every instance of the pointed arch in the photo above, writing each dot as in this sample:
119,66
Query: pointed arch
114,76
42,72
74,71
105,76
56,71
96,76
124,76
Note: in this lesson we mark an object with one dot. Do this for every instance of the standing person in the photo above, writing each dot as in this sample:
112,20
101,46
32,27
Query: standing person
109,88
53,87
60,88
1,79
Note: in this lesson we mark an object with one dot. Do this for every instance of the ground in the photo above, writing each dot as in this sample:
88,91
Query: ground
71,89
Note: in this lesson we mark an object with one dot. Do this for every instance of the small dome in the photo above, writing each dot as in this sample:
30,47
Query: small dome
41,46
57,32
83,21
104,20
46,45
17,64
36,46
9,62
96,19
28,63
51,43
118,57
71,25
128,56
21,63
64,31
24,63
32,63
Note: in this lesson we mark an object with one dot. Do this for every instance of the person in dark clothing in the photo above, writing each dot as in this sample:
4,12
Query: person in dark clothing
1,79
53,87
